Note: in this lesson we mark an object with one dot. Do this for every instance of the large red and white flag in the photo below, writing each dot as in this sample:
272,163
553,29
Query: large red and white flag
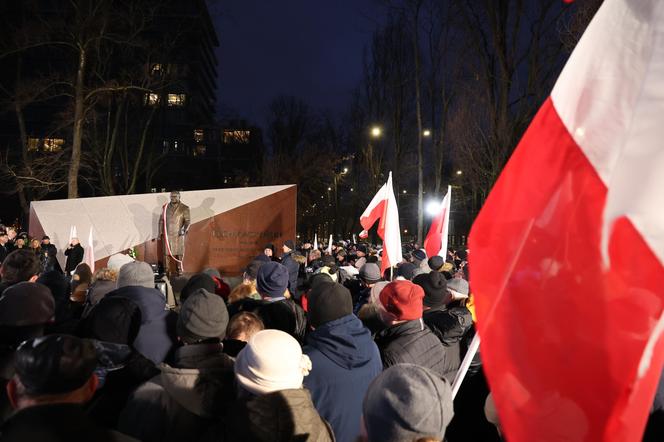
436,241
383,207
566,255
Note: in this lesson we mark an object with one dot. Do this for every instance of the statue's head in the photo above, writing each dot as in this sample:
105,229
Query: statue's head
175,197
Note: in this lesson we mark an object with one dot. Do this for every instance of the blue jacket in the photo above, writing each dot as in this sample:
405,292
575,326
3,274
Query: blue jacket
344,361
156,333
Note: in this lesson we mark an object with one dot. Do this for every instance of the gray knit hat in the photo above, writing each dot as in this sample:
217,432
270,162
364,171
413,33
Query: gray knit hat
136,273
407,402
203,315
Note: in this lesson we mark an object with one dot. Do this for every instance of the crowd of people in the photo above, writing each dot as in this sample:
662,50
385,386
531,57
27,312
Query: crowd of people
10,240
311,344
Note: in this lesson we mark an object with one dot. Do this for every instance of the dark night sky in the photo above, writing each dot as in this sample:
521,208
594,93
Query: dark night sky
309,49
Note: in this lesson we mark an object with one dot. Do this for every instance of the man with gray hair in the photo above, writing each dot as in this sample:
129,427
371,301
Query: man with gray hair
136,283
173,226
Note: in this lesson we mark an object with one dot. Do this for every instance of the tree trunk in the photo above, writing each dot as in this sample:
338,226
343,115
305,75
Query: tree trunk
79,115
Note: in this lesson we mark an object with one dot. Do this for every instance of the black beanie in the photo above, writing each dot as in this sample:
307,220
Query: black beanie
435,288
328,301
196,282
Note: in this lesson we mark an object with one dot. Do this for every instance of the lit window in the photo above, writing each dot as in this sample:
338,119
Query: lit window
33,144
200,150
176,99
236,136
151,99
198,135
53,144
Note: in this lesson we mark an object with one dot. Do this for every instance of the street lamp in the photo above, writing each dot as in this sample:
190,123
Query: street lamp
433,207
459,172
404,191
376,131
345,170
426,133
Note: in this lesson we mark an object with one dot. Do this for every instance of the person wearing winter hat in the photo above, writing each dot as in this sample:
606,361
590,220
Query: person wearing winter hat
25,310
407,402
448,321
292,266
344,358
54,379
369,276
155,337
406,339
406,271
196,282
115,262
185,398
436,263
247,289
269,373
276,311
420,262
20,265
113,324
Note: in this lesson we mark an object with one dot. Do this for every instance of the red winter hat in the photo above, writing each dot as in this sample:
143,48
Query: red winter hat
403,299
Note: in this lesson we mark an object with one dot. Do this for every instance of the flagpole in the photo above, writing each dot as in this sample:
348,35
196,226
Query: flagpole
465,365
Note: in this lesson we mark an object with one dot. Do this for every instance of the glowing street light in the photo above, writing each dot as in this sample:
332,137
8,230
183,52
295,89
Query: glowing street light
404,191
433,207
352,190
345,170
329,188
426,133
459,172
376,131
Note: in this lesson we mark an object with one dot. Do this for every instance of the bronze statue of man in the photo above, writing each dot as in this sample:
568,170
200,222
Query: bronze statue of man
173,226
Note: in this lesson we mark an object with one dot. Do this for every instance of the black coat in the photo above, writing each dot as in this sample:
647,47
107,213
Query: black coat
55,423
411,342
293,270
450,326
284,315
74,257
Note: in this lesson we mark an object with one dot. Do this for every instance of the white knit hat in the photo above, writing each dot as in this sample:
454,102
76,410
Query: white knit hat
271,361
115,262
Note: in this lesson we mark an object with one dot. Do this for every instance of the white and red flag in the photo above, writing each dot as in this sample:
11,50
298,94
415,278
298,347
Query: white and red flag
436,241
566,255
383,207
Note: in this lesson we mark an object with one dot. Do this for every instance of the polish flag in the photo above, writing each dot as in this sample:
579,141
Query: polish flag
383,207
567,252
89,252
436,241
329,246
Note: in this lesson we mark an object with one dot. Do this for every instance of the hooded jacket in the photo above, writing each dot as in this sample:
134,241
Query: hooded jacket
344,361
185,399
156,334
